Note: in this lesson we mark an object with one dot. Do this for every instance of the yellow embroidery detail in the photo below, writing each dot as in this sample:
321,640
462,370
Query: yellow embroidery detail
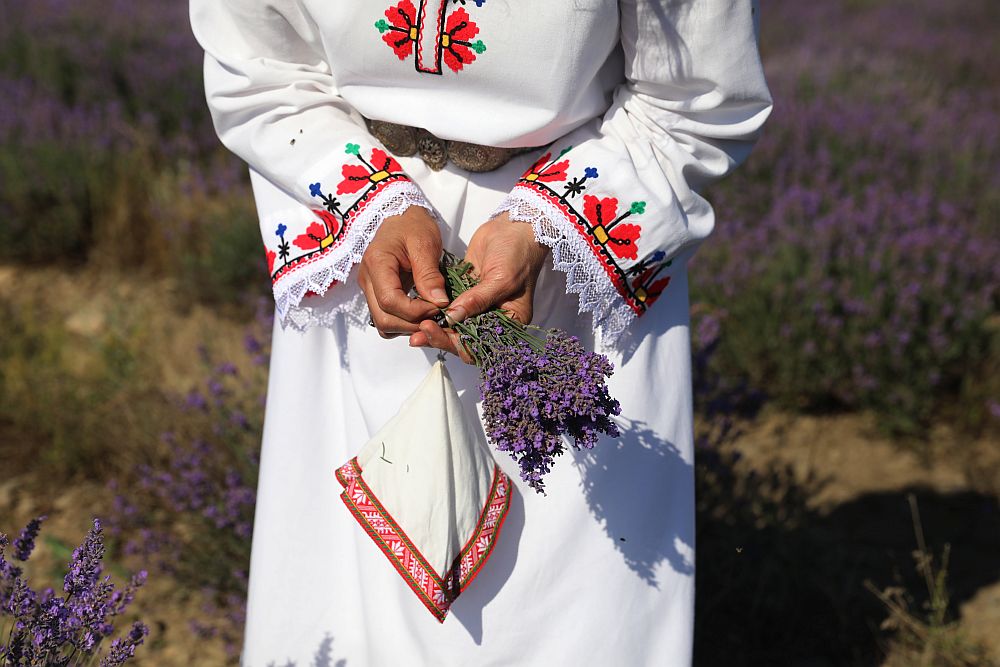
641,294
378,176
445,40
531,177
601,234
327,242
413,33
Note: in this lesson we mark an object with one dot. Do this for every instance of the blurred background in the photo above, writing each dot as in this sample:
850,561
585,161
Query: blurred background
845,321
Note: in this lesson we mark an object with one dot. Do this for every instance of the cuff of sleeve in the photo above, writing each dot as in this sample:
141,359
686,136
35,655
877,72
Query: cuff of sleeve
317,249
558,226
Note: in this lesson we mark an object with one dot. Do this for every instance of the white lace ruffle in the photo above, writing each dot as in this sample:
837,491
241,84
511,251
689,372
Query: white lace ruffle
571,254
335,266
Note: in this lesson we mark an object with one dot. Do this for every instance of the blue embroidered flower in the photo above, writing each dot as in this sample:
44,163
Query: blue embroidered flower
658,256
316,190
590,172
280,231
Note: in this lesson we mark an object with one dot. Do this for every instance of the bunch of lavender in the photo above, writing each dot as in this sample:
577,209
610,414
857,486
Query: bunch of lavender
47,629
537,385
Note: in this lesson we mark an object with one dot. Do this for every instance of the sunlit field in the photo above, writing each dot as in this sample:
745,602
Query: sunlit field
844,316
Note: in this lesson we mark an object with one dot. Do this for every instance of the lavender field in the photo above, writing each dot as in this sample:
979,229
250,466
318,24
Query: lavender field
845,320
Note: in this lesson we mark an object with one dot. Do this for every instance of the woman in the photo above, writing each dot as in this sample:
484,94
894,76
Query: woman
561,147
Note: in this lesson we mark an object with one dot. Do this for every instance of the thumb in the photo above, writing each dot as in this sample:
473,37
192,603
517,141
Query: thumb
477,299
425,258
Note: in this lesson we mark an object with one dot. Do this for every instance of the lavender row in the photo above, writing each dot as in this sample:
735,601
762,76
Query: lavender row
857,262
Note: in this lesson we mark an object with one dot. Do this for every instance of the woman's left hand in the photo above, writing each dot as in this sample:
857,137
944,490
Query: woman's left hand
507,259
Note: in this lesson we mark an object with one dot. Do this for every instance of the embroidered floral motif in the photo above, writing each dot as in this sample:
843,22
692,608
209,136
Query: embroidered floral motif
433,33
613,241
332,221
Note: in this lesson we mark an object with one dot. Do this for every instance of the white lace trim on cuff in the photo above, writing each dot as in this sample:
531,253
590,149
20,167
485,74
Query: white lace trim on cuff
335,266
572,255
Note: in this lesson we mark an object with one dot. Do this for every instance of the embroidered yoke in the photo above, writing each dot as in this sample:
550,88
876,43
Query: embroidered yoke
643,104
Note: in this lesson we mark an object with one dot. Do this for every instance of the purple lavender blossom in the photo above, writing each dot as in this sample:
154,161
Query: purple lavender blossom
538,386
25,543
47,629
532,398
8,572
123,649
85,567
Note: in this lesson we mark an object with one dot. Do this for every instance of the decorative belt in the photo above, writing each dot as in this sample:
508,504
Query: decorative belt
406,141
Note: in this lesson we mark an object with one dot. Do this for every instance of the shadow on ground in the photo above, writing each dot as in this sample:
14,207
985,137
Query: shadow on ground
780,583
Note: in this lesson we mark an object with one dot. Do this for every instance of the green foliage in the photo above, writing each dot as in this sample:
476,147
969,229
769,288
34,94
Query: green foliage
225,259
48,195
78,398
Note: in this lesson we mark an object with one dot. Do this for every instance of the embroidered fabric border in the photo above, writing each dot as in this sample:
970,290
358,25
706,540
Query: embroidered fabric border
317,273
436,592
572,254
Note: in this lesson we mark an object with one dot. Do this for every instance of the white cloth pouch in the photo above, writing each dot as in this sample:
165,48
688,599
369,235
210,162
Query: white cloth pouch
427,491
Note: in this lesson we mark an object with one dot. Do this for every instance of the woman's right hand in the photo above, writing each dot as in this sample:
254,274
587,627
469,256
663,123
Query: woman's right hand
405,252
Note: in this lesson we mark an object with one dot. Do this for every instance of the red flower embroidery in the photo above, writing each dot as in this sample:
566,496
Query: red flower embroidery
330,220
385,162
623,241
620,238
271,256
355,178
313,238
544,172
656,289
319,235
359,176
403,31
457,50
648,292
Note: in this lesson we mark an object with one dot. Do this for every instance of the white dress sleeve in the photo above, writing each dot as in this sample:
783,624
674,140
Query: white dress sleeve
323,184
618,198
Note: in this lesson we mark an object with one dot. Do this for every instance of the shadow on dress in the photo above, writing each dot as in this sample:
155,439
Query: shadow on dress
468,608
322,658
608,477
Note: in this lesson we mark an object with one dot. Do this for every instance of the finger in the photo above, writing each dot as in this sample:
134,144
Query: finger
445,339
425,265
521,308
479,298
418,339
387,290
436,337
388,326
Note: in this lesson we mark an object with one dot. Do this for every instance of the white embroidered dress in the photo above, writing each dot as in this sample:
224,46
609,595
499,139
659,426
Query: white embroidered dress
641,104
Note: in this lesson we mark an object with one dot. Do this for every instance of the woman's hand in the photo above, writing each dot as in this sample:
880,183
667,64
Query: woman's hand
507,259
405,251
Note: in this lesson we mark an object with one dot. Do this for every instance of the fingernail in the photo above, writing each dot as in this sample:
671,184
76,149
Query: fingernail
439,295
456,314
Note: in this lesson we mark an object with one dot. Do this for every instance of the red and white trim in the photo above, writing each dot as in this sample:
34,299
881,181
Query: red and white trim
436,591
317,272
600,290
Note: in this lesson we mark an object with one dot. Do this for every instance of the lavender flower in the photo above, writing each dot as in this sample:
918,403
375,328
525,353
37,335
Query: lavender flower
8,572
47,629
25,543
538,386
85,568
123,649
